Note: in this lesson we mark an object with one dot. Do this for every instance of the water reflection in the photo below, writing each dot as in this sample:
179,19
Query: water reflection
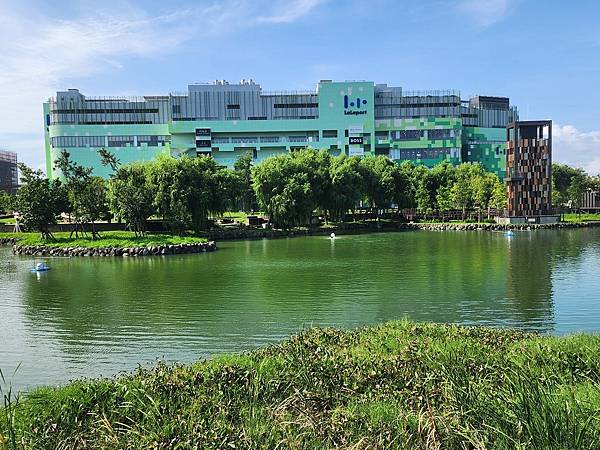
98,316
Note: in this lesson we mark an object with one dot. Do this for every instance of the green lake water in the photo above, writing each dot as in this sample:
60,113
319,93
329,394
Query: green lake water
99,316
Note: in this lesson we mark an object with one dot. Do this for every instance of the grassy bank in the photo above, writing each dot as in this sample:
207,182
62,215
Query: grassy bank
118,239
400,385
571,217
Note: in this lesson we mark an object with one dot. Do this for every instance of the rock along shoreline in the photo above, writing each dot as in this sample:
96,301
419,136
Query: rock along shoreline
153,250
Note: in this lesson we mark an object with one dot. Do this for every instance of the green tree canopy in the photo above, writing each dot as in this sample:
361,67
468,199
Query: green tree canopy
290,187
131,196
39,202
6,201
347,185
243,170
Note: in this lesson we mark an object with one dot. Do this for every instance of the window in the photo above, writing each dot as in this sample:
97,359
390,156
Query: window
406,135
439,134
233,106
269,139
330,133
244,140
297,138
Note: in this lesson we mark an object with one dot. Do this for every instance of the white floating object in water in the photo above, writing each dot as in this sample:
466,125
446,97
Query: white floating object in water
40,267
332,235
509,233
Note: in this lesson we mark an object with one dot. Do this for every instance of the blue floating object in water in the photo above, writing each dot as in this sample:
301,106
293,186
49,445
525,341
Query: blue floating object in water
509,233
40,267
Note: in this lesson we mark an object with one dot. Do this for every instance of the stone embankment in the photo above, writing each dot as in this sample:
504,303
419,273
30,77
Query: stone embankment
8,241
496,226
158,250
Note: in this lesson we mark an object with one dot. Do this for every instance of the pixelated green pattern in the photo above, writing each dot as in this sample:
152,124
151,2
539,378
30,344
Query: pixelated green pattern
425,123
486,146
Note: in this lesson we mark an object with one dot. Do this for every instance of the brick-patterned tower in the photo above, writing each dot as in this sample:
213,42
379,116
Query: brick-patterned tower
529,168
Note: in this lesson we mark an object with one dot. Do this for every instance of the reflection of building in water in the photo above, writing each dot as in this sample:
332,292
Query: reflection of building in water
529,278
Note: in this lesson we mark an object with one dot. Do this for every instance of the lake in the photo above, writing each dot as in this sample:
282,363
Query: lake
99,316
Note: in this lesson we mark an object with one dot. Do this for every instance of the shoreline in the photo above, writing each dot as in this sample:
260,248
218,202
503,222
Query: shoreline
400,382
375,227
237,234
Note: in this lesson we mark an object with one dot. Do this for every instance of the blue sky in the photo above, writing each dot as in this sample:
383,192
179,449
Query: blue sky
544,55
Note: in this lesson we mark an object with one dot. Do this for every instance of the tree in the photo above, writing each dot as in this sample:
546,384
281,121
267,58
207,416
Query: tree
461,191
92,202
488,192
577,187
86,194
289,187
379,180
39,201
243,170
444,199
131,196
425,189
172,183
346,185
562,175
109,159
6,201
405,186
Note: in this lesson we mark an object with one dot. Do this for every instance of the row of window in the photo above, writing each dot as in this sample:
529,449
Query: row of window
262,139
106,111
422,153
415,135
296,105
108,141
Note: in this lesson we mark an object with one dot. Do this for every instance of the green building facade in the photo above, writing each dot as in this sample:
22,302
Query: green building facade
226,121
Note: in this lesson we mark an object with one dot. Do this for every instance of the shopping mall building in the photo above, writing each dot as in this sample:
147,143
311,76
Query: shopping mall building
228,120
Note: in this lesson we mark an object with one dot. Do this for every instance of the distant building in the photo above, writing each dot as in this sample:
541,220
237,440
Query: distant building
591,201
9,178
529,171
226,121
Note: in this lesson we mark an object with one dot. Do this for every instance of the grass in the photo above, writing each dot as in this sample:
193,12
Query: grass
573,217
118,239
399,385
236,216
8,220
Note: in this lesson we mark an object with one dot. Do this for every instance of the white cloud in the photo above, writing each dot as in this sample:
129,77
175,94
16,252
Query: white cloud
484,12
41,54
576,148
290,11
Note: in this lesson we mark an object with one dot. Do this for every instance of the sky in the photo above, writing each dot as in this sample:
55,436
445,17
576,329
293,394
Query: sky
544,55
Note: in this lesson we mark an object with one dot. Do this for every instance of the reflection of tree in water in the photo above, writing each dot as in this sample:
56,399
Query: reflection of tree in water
249,293
532,257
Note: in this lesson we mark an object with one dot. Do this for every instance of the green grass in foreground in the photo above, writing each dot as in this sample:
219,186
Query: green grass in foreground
107,239
400,385
572,217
